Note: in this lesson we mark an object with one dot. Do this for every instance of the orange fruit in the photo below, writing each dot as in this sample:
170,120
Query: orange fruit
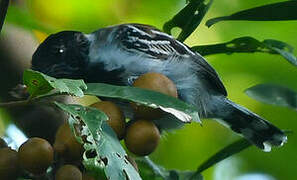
66,145
142,137
68,172
36,155
156,82
116,117
9,166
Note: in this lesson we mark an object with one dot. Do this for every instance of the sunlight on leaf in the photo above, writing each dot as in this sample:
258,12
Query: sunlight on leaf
273,94
188,19
41,84
272,12
249,45
36,83
255,176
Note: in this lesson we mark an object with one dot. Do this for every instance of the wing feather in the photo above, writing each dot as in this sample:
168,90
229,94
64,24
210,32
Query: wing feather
153,43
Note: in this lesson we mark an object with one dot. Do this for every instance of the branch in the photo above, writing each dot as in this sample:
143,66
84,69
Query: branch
14,104
3,10
31,100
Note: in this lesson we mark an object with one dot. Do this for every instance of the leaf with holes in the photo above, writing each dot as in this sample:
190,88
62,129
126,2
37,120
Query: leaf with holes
282,49
188,19
181,110
238,45
36,83
249,45
40,84
273,94
281,11
100,138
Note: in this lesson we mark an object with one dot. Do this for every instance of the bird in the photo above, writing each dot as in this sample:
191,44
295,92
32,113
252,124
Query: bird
119,54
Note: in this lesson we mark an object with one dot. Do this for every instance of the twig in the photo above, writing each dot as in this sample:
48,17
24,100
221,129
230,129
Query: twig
14,104
3,10
30,100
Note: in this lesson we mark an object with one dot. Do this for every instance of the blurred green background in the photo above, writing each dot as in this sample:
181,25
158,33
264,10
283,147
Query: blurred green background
183,149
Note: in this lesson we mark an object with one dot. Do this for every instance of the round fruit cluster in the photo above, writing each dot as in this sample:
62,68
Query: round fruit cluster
141,135
36,155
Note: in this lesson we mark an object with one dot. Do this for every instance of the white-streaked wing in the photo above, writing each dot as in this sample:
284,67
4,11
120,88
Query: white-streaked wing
150,41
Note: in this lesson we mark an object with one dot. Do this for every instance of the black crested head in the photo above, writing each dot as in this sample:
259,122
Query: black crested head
62,55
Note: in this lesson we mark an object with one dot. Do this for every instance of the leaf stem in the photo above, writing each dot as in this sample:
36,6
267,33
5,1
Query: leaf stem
3,10
154,167
222,154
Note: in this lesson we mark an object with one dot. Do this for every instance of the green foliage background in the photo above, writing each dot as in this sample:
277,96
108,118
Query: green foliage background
185,149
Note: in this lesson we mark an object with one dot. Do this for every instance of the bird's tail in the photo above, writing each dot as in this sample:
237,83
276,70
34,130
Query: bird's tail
255,129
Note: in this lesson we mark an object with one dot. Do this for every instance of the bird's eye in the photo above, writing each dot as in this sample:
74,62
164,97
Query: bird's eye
59,49
62,49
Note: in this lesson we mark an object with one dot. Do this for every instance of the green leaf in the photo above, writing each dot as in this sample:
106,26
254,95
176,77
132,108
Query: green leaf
249,45
188,18
41,84
183,111
273,94
36,83
272,12
238,45
168,122
224,153
25,20
100,138
283,49
151,171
